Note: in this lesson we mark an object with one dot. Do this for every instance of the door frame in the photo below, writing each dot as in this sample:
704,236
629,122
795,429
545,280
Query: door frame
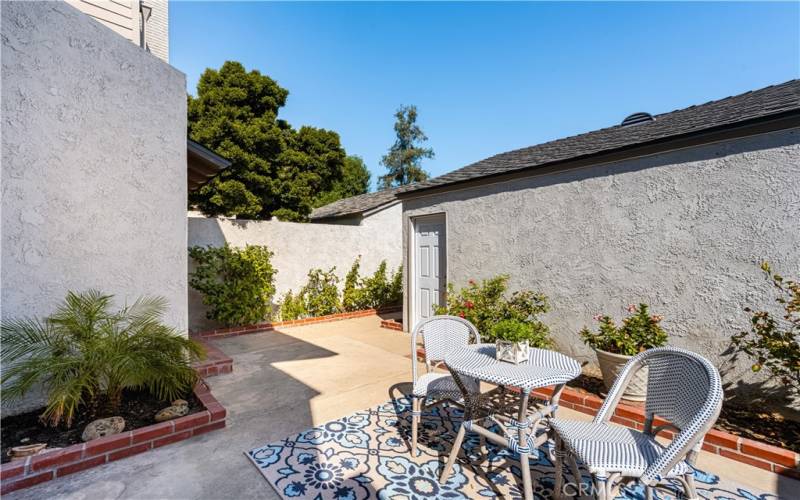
412,259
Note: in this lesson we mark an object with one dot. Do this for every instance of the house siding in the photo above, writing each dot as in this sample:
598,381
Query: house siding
94,188
683,231
157,33
124,18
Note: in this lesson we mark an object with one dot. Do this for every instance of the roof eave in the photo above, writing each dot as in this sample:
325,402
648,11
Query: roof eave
771,123
202,164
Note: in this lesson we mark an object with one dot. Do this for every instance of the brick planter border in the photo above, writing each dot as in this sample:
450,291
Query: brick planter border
216,362
391,324
762,455
264,327
58,463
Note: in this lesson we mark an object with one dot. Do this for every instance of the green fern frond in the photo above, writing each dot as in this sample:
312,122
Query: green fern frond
86,351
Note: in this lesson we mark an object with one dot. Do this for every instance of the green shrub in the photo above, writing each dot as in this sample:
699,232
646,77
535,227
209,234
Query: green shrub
396,287
353,296
485,304
639,331
374,291
292,307
318,297
382,292
321,293
237,283
86,354
513,330
774,342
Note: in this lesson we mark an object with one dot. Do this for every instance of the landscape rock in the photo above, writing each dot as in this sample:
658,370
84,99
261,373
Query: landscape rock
103,427
179,408
20,452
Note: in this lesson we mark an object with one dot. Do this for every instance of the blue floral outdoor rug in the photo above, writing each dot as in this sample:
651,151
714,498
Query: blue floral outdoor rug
366,455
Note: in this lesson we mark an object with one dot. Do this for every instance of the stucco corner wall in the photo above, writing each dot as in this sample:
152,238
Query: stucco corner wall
300,247
684,231
93,164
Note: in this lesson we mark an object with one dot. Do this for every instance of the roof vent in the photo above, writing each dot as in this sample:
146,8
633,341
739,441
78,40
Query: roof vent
637,118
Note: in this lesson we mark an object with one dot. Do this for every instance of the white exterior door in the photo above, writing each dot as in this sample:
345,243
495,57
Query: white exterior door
430,267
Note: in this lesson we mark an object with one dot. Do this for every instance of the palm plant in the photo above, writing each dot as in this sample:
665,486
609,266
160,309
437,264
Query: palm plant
85,354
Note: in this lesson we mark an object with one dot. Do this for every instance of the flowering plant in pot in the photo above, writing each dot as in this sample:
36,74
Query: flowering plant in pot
514,338
615,345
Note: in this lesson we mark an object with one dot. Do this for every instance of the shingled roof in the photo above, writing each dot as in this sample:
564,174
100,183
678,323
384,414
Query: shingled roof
355,205
768,102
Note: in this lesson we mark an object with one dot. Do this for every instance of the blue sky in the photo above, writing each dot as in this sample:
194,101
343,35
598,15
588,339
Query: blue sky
488,78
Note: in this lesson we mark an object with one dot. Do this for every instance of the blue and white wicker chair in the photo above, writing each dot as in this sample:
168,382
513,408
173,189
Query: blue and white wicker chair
440,334
683,389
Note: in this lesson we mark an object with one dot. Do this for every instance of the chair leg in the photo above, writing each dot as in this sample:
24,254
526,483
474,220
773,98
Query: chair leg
576,472
453,454
415,417
691,491
600,484
558,455
523,442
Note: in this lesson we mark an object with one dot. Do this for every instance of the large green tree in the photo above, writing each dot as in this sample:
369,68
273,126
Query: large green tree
275,169
403,161
354,181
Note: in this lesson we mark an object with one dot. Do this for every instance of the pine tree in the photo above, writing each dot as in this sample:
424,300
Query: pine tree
403,161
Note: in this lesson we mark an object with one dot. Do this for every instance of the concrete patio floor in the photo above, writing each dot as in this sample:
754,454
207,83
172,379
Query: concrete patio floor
282,383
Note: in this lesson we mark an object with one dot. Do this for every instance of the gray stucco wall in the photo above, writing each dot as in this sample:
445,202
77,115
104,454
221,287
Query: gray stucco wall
93,164
300,247
683,231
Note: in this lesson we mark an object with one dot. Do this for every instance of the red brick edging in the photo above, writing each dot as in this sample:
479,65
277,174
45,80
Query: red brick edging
263,327
57,463
391,324
216,362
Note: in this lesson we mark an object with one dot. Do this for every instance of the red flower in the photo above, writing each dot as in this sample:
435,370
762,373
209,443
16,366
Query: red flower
471,282
461,315
469,304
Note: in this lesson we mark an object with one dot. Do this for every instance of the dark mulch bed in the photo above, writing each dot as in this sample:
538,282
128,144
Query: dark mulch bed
138,409
756,423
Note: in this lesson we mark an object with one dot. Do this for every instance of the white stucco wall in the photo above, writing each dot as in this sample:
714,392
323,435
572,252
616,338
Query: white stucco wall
93,164
300,247
683,231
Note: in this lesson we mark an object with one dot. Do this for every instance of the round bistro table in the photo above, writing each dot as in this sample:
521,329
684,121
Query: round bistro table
543,369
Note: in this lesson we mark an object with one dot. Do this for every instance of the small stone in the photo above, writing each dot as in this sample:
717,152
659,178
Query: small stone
174,411
20,452
103,427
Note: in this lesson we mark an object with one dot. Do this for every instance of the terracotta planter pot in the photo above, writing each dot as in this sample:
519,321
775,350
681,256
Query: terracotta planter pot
611,365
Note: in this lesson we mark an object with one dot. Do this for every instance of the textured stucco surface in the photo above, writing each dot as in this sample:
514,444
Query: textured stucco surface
93,164
300,247
683,231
